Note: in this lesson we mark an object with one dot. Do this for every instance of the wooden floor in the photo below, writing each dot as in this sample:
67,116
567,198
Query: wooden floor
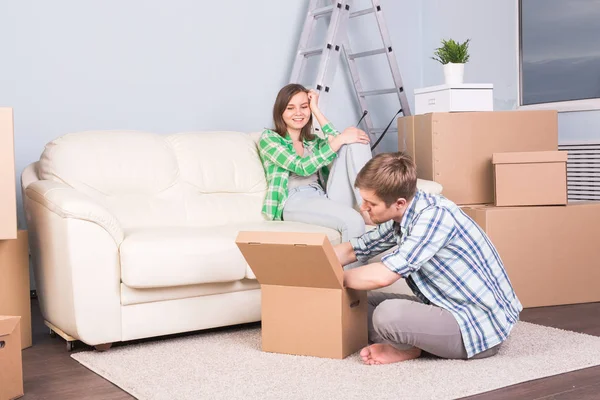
50,373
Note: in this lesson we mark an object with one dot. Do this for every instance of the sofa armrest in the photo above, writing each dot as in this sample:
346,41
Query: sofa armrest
67,202
429,187
74,243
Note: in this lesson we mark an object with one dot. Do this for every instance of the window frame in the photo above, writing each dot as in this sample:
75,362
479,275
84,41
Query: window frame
560,106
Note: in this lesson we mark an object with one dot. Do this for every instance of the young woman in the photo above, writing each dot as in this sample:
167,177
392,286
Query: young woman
300,185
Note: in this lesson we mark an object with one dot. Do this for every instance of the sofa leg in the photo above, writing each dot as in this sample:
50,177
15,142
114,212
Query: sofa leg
103,347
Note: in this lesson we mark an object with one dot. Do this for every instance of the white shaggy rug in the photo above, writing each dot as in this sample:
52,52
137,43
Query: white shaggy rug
228,364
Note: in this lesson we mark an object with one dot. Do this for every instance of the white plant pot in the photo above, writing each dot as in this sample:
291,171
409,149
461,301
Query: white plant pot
454,73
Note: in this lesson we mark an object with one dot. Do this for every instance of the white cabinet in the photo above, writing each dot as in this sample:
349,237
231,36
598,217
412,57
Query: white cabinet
455,98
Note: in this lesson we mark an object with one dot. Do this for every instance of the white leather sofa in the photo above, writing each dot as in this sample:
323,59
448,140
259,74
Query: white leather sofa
132,233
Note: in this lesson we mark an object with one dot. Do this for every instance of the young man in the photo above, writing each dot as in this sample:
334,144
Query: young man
464,305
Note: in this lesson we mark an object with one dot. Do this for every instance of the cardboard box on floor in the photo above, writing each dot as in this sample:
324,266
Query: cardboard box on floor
550,253
14,283
530,178
305,308
8,197
11,362
455,149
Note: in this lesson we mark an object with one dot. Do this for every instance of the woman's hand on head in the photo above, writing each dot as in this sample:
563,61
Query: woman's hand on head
313,98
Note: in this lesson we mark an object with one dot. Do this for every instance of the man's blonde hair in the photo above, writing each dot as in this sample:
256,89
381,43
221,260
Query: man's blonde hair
390,176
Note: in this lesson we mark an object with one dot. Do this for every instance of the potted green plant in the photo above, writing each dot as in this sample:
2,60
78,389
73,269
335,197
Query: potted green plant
453,55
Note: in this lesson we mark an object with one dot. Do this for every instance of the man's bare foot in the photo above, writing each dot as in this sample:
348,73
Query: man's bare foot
383,353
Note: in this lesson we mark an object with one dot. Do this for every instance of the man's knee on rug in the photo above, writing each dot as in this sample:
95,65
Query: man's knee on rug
392,323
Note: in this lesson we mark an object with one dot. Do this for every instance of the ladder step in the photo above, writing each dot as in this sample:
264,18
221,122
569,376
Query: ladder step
366,53
321,12
376,92
314,51
362,12
380,131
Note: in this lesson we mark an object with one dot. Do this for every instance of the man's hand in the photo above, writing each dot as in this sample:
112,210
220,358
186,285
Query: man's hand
345,253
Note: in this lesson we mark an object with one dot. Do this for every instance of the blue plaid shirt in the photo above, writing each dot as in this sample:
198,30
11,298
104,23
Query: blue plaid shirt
448,261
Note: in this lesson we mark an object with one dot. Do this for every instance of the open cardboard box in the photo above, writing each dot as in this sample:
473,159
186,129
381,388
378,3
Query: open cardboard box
305,308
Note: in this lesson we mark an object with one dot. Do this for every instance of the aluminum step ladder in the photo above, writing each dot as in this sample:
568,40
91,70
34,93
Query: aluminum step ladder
337,41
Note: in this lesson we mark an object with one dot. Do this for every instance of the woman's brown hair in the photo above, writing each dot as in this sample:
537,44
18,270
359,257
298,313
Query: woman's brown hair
281,102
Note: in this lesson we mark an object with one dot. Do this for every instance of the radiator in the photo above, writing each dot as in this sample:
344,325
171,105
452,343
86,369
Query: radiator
583,170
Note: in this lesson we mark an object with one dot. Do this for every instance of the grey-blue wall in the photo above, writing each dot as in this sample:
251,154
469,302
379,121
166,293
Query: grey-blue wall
188,65
165,67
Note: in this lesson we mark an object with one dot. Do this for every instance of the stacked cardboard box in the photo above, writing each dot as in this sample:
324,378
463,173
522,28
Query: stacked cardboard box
14,283
11,362
14,248
8,203
455,149
537,178
505,170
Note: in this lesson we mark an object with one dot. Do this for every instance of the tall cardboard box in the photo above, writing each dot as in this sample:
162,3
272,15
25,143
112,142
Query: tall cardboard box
11,362
550,253
8,199
305,308
14,283
537,178
455,149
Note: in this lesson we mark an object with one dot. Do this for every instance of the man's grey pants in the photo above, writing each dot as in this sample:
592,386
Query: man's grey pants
404,321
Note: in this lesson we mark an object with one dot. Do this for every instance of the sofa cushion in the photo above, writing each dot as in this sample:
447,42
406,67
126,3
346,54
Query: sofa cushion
111,163
131,296
219,162
135,175
175,256
150,180
429,187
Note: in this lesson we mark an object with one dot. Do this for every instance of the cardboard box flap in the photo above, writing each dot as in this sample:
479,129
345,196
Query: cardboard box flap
529,157
8,324
291,259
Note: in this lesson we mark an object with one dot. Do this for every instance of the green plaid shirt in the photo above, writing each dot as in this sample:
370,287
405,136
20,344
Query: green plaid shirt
279,159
